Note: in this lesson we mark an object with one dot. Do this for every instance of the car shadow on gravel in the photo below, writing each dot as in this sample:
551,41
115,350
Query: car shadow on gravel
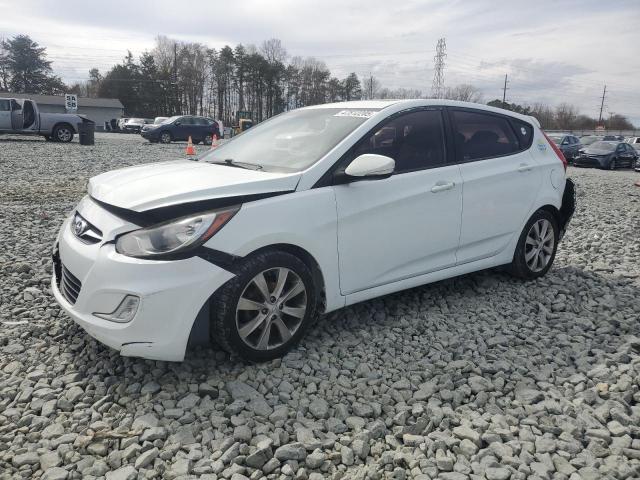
552,325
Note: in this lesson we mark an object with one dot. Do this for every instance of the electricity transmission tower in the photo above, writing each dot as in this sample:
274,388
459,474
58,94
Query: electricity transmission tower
437,87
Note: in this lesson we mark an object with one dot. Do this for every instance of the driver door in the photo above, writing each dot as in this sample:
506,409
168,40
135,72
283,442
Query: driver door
17,115
405,225
5,114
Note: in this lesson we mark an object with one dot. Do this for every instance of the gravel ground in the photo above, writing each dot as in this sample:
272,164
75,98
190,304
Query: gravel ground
477,377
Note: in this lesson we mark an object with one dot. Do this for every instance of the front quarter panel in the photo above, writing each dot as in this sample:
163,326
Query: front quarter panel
305,219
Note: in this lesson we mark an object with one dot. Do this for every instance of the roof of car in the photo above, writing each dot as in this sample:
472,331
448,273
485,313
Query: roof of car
381,104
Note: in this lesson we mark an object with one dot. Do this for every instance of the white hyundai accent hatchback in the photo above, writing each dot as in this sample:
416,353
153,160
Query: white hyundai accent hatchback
305,213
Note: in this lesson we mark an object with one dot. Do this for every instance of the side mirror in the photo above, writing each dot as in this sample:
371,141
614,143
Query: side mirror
370,165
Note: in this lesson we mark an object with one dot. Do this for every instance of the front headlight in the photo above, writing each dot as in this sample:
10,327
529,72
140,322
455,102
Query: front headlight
174,237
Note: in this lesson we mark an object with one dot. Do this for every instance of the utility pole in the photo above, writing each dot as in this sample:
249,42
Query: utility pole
175,77
504,92
437,87
604,92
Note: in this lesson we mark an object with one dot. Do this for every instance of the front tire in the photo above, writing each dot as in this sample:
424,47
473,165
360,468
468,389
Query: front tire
265,309
613,164
165,137
63,133
536,247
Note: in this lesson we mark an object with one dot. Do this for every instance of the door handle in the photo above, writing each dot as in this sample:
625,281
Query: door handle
524,167
442,186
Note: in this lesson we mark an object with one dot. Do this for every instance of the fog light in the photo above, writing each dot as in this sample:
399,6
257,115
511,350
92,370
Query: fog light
124,312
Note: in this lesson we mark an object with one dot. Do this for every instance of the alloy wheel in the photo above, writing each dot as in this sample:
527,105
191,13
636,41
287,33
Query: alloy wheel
271,308
539,245
165,137
64,134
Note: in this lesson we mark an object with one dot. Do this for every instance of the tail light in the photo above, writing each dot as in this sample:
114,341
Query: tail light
557,151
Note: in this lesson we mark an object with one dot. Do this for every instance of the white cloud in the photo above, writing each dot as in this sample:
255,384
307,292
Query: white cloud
553,51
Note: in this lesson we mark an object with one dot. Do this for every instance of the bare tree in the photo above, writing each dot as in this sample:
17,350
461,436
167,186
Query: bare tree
273,51
544,114
565,116
464,93
370,88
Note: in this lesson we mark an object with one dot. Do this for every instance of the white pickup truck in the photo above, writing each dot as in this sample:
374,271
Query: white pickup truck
21,116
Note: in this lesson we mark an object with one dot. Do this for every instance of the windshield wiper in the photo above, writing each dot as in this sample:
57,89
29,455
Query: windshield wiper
232,163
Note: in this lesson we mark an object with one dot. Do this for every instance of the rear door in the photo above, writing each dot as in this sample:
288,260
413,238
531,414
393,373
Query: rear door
405,225
5,114
500,180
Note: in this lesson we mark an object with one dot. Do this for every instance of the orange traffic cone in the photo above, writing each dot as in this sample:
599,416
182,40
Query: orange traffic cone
214,141
190,149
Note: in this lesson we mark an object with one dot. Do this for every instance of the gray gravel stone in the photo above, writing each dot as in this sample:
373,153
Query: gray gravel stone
463,379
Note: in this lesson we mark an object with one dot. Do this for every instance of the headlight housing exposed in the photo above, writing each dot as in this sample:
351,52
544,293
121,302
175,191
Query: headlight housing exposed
174,237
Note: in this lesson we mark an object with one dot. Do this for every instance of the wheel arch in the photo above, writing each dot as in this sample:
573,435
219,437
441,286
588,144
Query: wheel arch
200,333
306,258
64,123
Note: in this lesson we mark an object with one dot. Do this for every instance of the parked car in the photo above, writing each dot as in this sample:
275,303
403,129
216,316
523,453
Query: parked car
121,123
258,237
568,144
634,142
21,116
134,125
589,139
613,138
607,155
180,128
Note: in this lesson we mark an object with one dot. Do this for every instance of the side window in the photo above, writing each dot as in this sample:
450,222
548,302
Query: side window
15,105
5,105
481,135
187,120
524,132
414,140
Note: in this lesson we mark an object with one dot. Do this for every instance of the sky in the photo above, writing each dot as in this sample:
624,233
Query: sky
552,51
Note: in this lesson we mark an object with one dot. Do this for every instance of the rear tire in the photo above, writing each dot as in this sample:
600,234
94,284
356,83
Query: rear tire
537,246
257,328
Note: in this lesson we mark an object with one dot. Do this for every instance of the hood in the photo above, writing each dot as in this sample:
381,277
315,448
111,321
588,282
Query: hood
596,151
157,185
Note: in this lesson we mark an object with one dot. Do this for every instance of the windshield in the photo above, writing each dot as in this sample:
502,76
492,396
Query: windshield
291,141
589,140
603,146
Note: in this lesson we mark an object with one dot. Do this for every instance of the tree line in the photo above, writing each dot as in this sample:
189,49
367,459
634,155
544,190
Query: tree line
177,77
564,117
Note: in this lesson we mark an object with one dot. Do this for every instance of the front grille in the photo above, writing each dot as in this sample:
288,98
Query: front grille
69,285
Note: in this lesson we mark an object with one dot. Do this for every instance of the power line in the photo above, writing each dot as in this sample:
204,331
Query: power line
437,87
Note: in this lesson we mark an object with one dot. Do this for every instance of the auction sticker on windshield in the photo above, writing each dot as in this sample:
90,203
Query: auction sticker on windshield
356,113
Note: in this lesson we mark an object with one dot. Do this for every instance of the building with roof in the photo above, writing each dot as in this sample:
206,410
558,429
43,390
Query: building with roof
99,110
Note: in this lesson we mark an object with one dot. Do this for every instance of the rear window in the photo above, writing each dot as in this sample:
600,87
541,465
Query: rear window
481,135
